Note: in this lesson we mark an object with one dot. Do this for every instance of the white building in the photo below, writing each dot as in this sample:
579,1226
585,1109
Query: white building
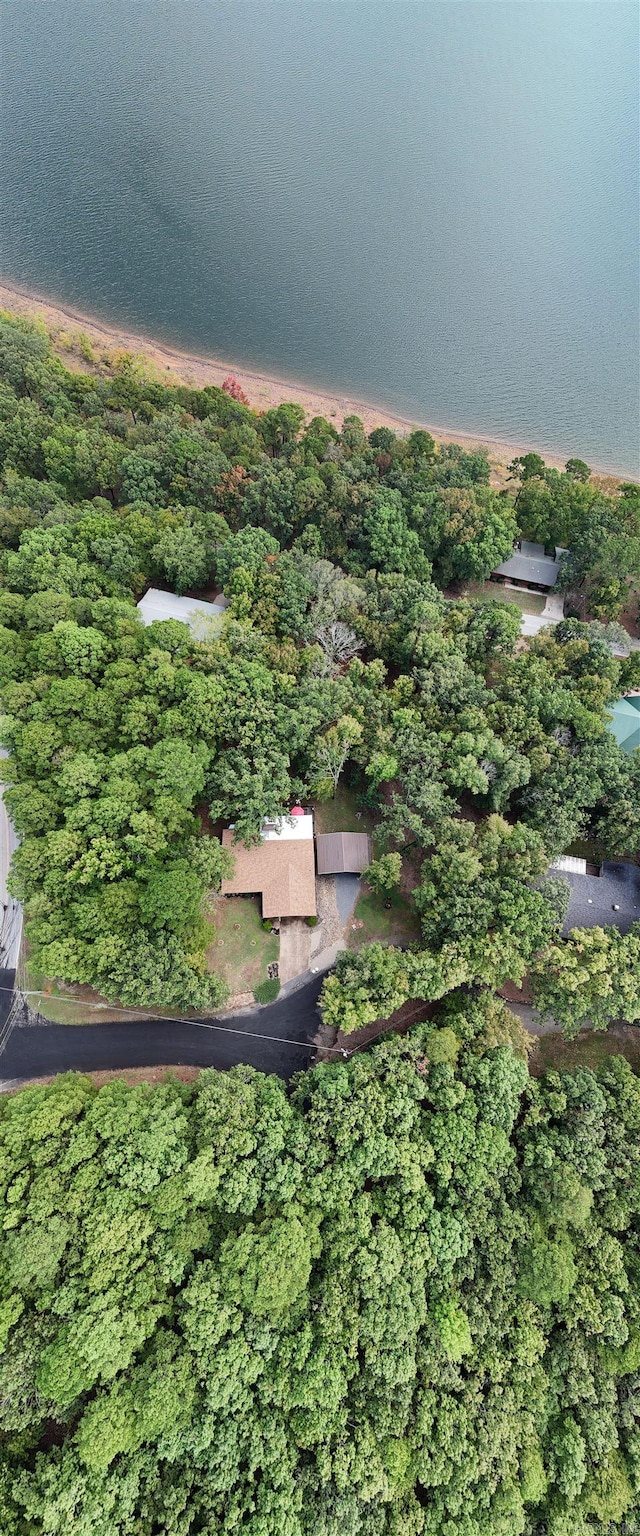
193,611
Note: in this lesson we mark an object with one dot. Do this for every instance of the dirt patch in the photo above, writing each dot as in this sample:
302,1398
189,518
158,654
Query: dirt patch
237,1001
513,994
415,1011
630,616
411,871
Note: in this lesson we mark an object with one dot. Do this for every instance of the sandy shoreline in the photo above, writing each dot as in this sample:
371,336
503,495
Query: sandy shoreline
263,390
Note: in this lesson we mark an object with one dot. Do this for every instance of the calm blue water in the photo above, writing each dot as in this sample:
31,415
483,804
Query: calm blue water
428,205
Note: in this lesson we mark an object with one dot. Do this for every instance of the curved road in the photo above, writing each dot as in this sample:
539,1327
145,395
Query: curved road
275,1039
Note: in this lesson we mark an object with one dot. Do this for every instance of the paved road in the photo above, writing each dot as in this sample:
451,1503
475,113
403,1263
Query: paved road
275,1039
7,979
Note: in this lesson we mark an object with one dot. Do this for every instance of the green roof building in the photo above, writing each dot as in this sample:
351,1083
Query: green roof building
625,725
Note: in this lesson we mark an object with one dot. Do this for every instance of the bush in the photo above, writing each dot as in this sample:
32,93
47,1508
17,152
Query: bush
312,922
267,991
266,923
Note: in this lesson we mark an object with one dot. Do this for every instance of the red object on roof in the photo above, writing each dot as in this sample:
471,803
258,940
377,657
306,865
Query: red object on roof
296,810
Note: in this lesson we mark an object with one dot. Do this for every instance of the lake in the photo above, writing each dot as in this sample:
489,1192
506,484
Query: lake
433,206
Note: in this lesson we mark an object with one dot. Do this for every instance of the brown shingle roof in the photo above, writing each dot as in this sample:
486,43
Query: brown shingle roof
282,873
341,853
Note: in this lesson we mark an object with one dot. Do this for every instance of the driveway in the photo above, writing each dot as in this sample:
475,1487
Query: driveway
295,948
278,1039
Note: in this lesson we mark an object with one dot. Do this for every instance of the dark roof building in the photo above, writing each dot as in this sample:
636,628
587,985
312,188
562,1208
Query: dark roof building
610,898
530,566
342,853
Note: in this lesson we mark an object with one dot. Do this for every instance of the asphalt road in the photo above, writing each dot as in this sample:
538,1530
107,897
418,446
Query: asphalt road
274,1039
7,979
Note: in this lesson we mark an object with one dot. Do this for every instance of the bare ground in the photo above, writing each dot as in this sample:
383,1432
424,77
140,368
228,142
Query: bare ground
415,1011
330,927
130,1075
84,342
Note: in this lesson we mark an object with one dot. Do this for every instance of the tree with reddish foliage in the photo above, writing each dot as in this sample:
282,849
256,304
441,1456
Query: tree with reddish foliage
234,389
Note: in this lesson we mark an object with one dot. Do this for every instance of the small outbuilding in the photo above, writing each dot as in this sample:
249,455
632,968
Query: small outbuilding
342,853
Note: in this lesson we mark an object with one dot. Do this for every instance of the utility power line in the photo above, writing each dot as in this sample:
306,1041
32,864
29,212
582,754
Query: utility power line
192,1023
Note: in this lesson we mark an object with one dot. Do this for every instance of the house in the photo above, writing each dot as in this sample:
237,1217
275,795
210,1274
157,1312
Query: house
625,725
611,897
529,566
280,869
342,853
194,611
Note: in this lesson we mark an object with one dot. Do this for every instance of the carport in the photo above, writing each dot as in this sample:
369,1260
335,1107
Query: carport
342,853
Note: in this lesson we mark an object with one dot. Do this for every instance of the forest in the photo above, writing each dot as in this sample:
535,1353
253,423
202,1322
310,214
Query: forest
346,649
400,1296
401,1300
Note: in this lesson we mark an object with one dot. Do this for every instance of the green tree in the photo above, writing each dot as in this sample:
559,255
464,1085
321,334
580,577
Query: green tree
594,977
384,873
332,751
181,556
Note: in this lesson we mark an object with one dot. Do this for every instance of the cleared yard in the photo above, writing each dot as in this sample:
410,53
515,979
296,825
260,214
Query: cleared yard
485,591
591,1048
395,924
342,814
64,1003
240,948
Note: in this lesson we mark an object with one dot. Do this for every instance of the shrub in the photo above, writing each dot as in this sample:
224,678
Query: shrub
267,991
312,922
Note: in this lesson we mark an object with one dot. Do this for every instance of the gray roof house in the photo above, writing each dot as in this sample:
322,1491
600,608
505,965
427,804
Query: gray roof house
530,566
610,898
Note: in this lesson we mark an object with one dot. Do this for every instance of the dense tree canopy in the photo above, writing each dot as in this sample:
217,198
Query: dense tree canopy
343,655
600,532
403,1299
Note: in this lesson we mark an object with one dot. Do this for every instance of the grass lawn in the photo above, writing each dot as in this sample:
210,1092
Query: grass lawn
582,848
64,1004
240,948
397,924
343,813
591,1048
484,591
